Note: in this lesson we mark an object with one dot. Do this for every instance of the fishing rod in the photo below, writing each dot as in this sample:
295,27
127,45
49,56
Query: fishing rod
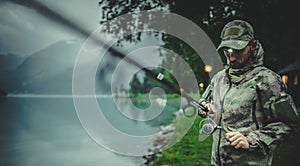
56,17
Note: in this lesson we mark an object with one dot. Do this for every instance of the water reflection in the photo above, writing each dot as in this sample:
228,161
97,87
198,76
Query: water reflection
128,114
47,131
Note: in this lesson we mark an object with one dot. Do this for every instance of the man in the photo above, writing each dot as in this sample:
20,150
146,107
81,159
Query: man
248,102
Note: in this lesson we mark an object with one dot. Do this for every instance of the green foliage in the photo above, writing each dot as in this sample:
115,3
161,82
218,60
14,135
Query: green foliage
188,151
189,55
273,21
142,83
135,86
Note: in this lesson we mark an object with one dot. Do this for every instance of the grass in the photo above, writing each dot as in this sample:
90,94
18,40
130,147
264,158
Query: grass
187,151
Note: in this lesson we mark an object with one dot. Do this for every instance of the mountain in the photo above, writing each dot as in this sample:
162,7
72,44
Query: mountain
38,72
8,64
50,70
9,61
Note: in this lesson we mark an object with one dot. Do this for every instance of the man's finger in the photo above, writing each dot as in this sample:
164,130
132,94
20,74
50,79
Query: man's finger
235,137
241,144
230,134
236,141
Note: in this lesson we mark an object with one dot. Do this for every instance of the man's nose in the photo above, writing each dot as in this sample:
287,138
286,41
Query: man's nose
232,58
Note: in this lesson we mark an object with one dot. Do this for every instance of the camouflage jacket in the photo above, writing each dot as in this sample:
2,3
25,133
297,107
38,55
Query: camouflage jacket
254,102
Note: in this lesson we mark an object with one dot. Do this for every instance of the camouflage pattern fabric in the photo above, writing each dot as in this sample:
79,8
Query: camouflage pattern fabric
236,34
253,101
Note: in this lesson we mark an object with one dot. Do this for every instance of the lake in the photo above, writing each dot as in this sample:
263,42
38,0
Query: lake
47,131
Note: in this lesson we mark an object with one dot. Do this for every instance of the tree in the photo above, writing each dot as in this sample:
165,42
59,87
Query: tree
274,22
147,84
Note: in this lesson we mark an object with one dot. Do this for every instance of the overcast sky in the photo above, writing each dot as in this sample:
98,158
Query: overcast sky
23,31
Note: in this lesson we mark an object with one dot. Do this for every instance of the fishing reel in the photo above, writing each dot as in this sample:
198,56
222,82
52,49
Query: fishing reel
207,125
194,107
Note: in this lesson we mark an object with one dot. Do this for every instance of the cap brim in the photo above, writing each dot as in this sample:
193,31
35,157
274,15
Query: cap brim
235,44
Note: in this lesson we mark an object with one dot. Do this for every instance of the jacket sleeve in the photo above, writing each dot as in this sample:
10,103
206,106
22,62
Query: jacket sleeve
207,96
281,116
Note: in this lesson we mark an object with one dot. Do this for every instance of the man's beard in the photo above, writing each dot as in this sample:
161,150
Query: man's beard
238,65
241,63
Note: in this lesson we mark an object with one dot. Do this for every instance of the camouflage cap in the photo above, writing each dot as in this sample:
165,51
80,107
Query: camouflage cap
236,34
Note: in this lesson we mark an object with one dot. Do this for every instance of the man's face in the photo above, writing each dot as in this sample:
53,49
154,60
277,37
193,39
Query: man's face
237,58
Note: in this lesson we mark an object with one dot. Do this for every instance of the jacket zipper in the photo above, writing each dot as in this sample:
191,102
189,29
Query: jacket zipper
220,120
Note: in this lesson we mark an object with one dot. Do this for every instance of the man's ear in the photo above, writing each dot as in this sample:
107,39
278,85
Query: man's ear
253,44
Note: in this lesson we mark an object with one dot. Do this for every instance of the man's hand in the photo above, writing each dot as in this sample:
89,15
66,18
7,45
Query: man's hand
237,140
212,109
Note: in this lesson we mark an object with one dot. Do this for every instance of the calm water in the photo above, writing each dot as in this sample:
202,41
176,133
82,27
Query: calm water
47,131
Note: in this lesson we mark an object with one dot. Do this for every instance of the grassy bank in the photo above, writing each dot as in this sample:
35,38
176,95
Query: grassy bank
188,151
